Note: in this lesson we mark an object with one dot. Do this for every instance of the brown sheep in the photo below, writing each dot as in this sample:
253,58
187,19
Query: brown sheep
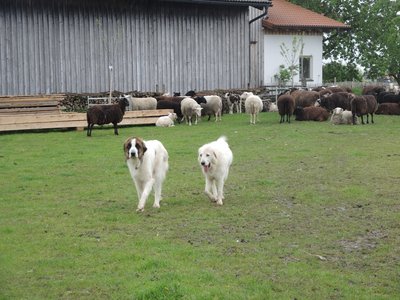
304,98
105,114
388,109
285,105
358,107
372,90
372,106
311,113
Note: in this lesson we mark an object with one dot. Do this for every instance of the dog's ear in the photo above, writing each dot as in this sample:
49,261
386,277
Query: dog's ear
140,145
127,145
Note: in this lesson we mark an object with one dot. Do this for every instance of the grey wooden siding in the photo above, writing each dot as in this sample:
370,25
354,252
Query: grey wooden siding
67,46
256,72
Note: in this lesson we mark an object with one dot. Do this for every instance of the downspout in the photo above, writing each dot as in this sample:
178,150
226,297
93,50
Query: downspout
265,8
264,14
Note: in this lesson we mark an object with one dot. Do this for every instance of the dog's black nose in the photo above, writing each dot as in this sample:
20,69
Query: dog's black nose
203,163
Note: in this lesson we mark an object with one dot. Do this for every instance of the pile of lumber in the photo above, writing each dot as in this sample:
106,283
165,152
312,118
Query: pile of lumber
14,122
30,104
43,112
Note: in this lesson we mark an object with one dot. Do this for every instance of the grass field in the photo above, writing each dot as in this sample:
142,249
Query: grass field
311,211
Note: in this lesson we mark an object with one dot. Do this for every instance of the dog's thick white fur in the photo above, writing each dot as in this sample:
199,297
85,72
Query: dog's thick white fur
148,165
215,159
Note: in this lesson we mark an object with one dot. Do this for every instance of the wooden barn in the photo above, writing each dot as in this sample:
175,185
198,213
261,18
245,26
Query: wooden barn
88,46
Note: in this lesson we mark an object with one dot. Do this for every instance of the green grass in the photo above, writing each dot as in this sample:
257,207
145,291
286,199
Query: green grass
311,212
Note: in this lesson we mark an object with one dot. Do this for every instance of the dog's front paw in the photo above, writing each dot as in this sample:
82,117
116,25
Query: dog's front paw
219,202
156,205
140,209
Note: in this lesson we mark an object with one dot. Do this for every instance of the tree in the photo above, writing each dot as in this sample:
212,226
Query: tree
292,55
283,76
374,40
336,71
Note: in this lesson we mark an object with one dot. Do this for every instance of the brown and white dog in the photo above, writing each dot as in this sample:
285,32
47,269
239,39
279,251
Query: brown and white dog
148,165
215,159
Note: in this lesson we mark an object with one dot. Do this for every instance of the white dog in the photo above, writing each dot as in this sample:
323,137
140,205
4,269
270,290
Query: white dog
148,164
215,160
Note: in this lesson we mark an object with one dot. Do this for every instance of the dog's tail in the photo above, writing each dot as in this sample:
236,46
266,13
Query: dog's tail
222,138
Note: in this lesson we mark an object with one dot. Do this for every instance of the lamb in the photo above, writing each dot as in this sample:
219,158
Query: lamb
213,106
273,107
176,106
311,113
331,101
166,121
147,103
253,105
105,114
372,106
388,109
189,108
285,107
233,101
359,108
341,116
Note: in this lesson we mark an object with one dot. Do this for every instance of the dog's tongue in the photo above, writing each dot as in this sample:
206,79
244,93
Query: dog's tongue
206,167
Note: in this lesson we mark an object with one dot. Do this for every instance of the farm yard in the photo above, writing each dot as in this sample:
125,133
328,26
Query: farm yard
310,212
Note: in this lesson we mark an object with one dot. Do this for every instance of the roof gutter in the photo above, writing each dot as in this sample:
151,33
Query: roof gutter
256,4
264,14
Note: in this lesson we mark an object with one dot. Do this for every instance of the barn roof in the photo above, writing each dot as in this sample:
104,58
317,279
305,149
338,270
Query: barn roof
257,4
286,15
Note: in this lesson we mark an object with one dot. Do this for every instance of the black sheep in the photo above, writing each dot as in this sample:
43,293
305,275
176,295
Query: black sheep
176,106
331,101
391,98
285,105
105,114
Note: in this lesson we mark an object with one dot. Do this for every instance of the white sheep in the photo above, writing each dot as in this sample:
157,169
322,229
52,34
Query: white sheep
189,108
253,105
166,121
213,106
340,116
147,103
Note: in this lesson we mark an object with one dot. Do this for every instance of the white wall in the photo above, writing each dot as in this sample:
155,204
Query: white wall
273,58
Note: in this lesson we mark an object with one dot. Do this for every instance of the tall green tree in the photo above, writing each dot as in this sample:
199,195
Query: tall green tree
336,71
374,39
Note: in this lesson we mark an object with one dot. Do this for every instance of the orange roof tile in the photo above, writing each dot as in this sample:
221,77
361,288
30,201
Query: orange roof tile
286,15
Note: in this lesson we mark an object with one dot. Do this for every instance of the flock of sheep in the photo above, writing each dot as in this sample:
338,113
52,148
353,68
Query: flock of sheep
341,105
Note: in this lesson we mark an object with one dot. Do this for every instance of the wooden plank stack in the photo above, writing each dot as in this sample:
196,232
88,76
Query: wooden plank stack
28,104
42,112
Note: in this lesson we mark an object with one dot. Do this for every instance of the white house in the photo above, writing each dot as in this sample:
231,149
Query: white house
287,22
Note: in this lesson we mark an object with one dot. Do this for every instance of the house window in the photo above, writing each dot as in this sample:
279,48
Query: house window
305,68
